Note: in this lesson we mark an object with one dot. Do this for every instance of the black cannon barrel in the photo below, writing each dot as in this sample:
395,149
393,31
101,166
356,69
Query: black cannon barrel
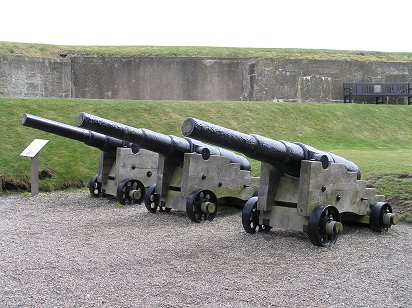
100,141
171,146
284,154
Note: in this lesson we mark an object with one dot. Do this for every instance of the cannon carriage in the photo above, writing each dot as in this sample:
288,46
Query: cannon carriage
191,176
124,171
301,188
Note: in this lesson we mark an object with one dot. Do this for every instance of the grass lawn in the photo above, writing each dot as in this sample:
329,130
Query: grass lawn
56,51
376,137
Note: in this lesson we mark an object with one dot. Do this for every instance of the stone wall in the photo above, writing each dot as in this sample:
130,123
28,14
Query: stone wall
34,77
159,78
321,80
177,78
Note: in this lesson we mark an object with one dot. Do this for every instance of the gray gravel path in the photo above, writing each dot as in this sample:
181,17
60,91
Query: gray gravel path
66,249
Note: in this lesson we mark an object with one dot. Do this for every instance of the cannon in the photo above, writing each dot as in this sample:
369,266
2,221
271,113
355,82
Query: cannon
301,188
125,171
191,176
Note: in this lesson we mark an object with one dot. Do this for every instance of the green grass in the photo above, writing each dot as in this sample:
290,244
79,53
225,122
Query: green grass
55,51
377,137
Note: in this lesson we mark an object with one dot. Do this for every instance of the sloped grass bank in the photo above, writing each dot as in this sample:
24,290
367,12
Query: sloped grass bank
377,137
279,54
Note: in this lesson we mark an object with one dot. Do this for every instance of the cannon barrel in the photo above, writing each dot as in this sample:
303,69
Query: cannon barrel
171,146
283,154
100,141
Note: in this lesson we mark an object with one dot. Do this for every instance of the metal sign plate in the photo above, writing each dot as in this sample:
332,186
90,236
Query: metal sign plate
34,148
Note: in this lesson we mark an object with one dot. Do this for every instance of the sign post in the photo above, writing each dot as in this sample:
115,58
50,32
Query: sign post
33,151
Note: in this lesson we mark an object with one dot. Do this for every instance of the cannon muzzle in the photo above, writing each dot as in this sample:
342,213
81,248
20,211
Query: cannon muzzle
168,145
102,142
283,154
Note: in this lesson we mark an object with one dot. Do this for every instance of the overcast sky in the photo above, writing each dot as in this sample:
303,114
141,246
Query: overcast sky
324,24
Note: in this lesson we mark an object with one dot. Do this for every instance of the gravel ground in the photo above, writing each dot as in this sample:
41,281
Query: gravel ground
66,249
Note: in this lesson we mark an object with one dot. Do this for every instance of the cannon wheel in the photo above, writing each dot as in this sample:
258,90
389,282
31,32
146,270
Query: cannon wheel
250,216
378,210
124,189
95,187
151,201
194,205
317,224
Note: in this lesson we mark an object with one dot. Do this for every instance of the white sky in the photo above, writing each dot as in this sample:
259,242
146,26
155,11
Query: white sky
350,25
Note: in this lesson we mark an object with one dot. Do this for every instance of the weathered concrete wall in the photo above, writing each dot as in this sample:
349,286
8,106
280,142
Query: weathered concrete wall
321,81
34,77
160,78
191,78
